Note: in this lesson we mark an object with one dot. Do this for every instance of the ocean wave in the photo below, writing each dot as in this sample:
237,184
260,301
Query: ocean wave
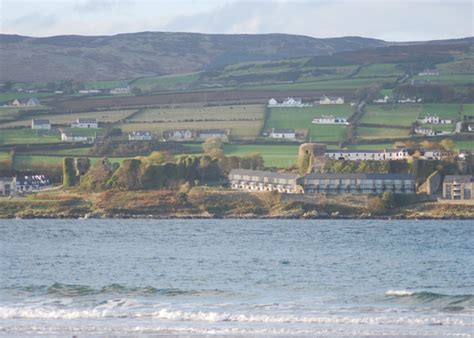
77,290
214,317
451,301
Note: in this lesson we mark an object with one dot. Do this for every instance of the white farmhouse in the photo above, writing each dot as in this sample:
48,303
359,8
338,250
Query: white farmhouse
179,135
425,131
272,103
42,124
429,72
434,119
120,90
385,99
368,155
7,186
330,119
139,136
409,100
331,100
85,123
70,137
283,133
288,103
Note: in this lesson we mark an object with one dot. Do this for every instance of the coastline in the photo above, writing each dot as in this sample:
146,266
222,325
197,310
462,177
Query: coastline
219,204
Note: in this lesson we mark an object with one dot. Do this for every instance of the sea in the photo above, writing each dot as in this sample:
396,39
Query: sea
237,278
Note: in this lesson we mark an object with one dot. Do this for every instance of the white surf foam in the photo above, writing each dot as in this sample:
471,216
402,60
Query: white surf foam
400,293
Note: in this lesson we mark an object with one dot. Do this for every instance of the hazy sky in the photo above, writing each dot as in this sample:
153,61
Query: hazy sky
400,20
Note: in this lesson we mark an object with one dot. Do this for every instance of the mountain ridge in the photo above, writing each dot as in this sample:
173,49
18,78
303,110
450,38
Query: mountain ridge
142,54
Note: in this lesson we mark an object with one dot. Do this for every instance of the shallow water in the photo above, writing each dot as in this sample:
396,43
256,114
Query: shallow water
236,277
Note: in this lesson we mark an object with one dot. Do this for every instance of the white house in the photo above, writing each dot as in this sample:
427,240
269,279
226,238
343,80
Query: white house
7,186
330,119
288,103
331,100
89,91
429,72
85,123
368,155
436,154
179,135
40,124
385,99
139,136
409,100
70,137
28,183
470,127
434,119
283,133
120,90
32,102
425,131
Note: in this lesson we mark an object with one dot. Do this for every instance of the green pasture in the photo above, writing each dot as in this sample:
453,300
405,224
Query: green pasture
10,96
29,136
281,156
468,109
106,116
381,133
167,82
400,115
212,113
238,129
380,70
329,85
465,145
443,110
301,118
106,84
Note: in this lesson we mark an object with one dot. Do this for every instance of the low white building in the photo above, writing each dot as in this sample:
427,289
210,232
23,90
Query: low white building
89,91
425,131
70,137
283,133
436,154
429,72
330,119
434,119
139,136
85,123
369,155
470,127
385,99
409,100
331,100
7,186
120,90
29,183
32,102
179,135
288,103
43,124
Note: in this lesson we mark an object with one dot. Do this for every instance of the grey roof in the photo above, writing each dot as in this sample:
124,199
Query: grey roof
373,176
262,173
354,151
459,178
41,121
81,120
210,131
283,130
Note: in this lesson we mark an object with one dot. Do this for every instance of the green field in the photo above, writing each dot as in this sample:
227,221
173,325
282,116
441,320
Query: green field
28,162
282,156
105,116
28,136
401,115
212,113
238,129
443,110
301,118
453,79
10,96
381,133
329,85
465,145
380,70
468,109
167,82
377,146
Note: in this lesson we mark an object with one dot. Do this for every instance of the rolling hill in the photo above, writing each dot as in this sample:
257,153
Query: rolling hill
125,56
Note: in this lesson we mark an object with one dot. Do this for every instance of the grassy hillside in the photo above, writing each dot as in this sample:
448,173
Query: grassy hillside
129,56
